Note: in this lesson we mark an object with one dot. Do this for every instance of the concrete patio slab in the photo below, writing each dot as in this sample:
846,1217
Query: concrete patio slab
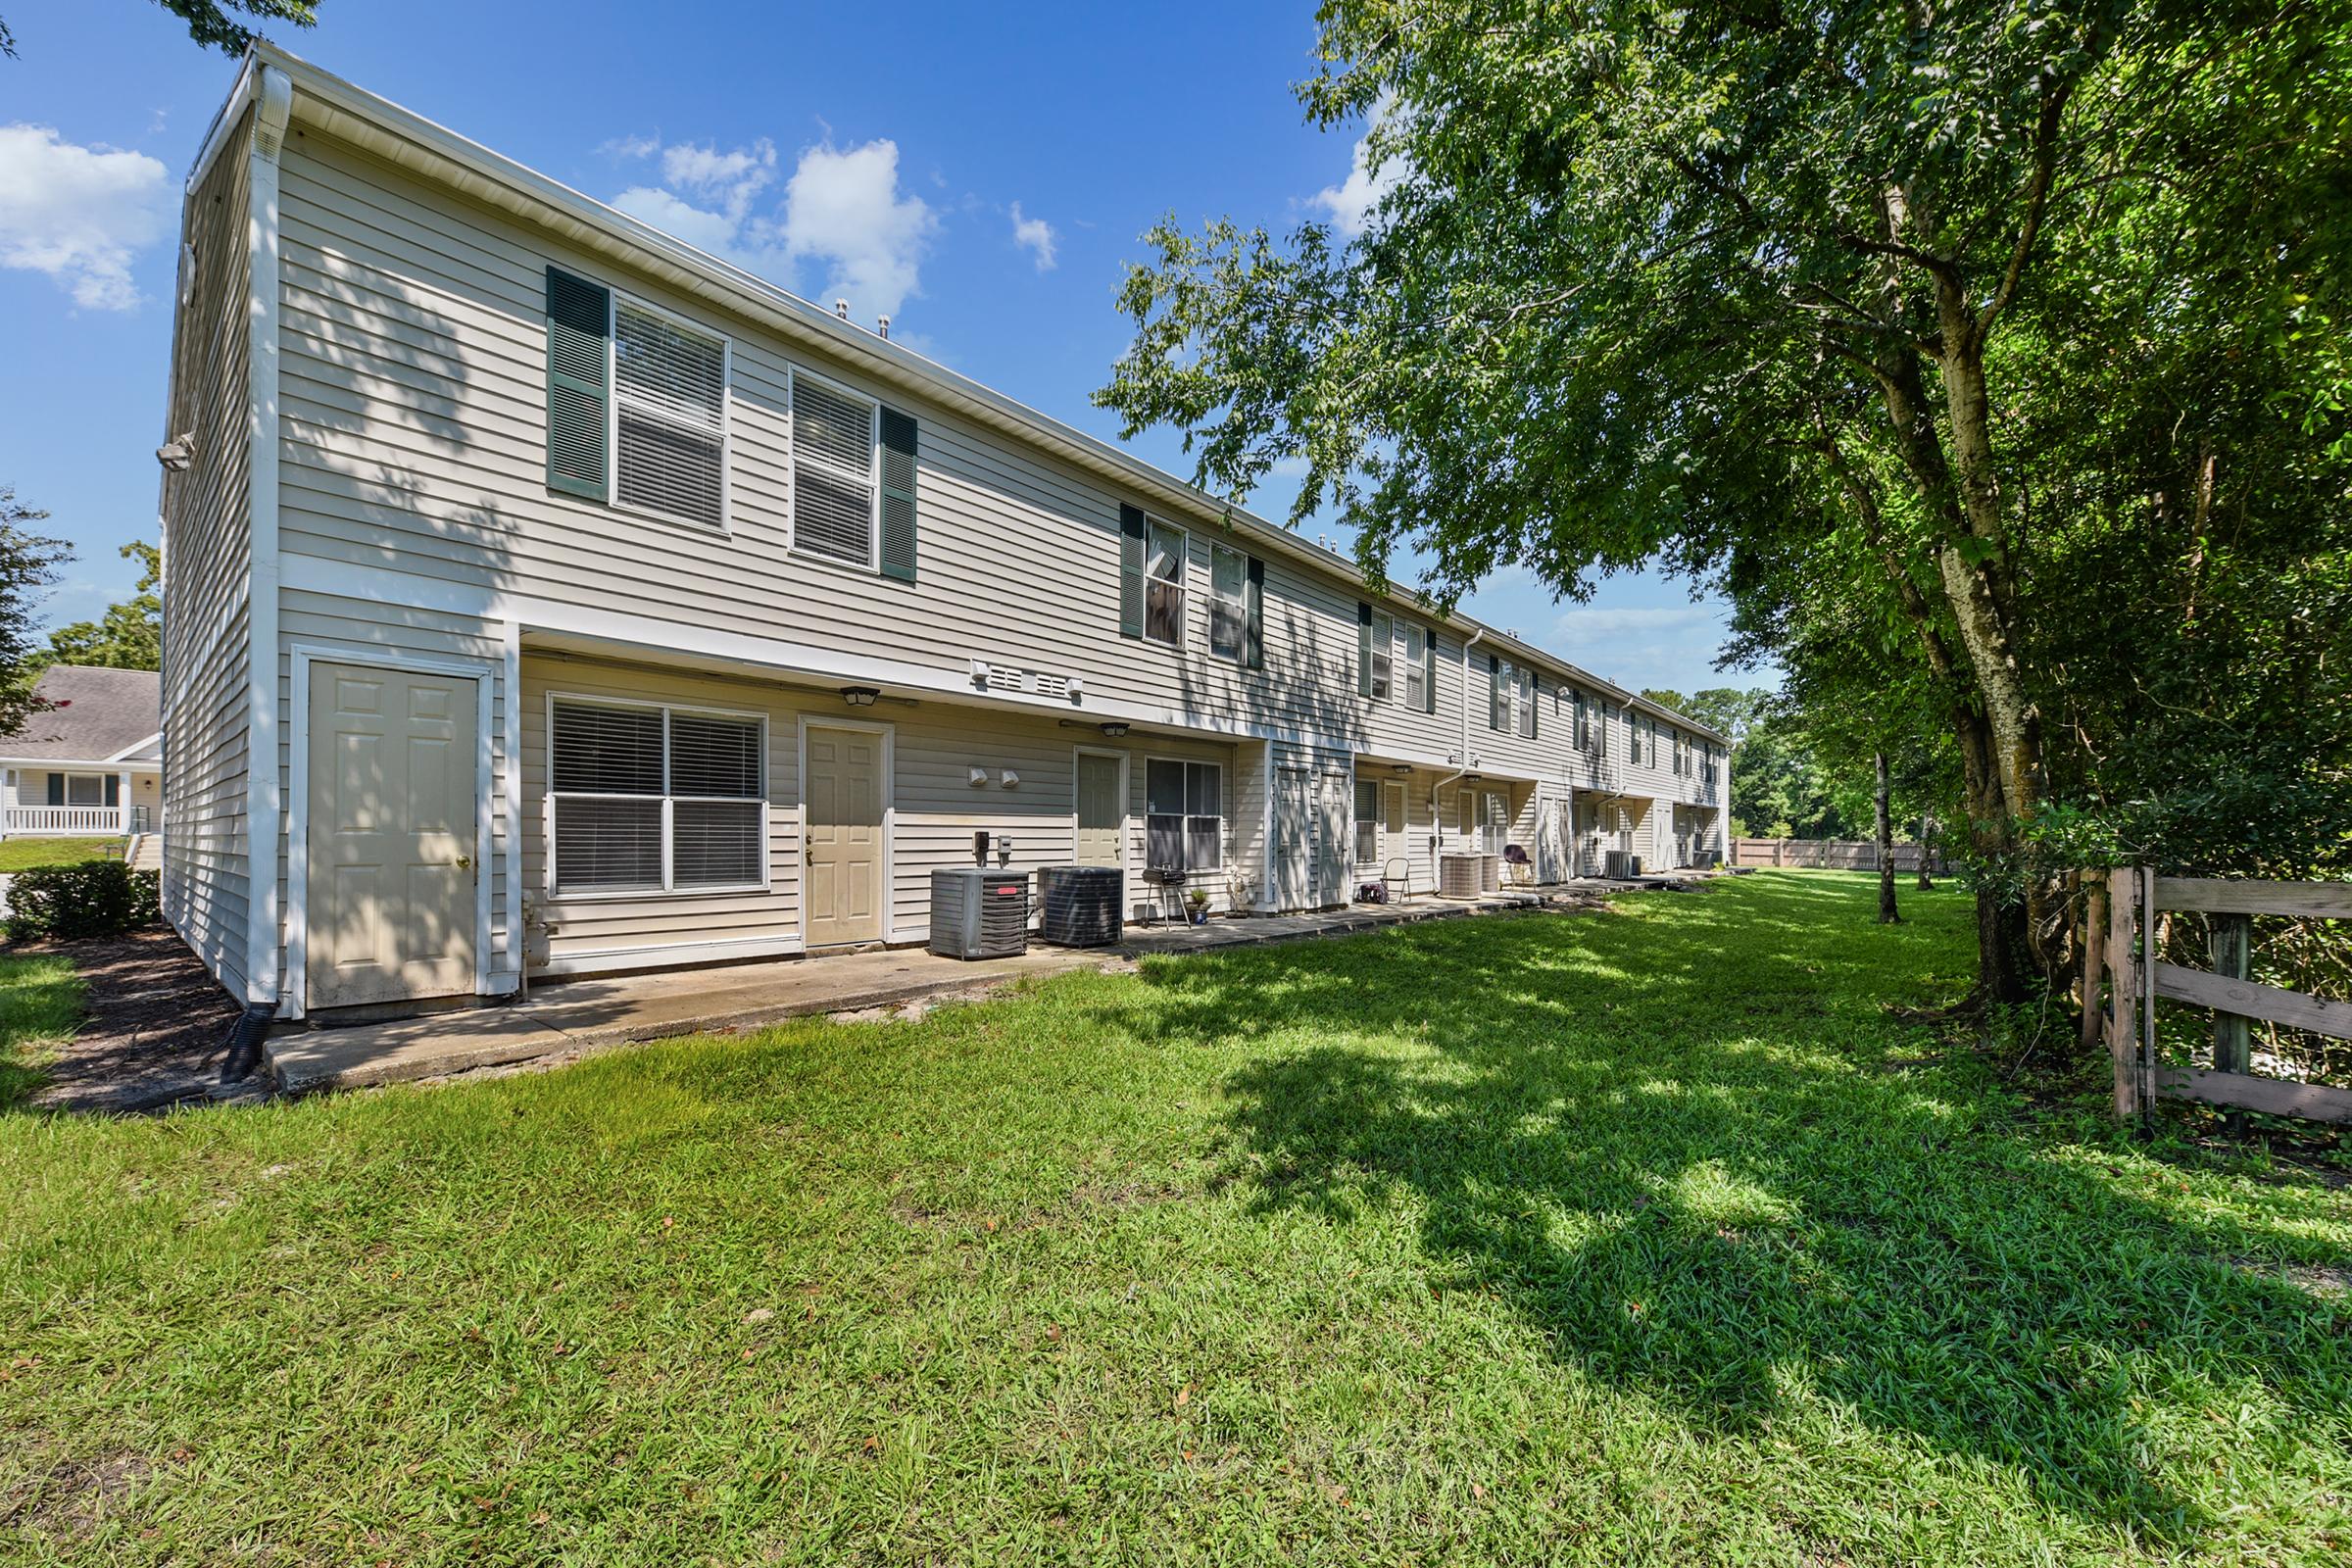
569,1018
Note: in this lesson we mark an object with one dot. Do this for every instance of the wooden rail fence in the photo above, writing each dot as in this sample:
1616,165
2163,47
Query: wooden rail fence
2124,904
1831,854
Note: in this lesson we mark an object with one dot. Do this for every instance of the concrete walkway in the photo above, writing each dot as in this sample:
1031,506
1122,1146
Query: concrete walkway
568,1020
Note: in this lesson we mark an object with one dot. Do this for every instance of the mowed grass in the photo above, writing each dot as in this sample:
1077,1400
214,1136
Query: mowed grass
40,1007
1646,1237
23,853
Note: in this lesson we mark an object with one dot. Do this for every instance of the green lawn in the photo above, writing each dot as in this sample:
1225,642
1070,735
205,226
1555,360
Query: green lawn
40,1006
1646,1236
23,854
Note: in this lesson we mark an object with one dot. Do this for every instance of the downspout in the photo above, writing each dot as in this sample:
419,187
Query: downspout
1436,822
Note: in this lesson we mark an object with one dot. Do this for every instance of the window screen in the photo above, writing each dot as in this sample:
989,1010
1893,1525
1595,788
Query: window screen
670,387
647,799
1228,602
832,472
1163,584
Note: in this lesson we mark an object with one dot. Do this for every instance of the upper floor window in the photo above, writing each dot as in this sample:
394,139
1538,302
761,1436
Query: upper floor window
1163,584
836,438
1527,703
636,404
1228,602
1379,663
1413,653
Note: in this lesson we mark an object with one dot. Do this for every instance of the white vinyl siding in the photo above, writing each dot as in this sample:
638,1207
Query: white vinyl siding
649,798
670,417
835,442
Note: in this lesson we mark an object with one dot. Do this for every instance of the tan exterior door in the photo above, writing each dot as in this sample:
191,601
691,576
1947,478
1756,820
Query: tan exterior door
842,891
393,824
1102,814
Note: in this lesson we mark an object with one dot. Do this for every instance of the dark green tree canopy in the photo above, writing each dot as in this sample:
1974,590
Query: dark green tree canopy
130,634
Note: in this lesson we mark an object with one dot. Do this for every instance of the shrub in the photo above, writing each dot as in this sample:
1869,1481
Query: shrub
92,899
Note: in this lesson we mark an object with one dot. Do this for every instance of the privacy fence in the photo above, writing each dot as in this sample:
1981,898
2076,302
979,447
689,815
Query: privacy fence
1833,855
2138,923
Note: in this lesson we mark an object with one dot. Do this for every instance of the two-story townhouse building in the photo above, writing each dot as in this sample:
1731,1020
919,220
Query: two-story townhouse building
544,594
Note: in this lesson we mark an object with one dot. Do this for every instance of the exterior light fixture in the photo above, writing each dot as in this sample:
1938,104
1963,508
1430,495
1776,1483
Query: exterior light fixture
1114,730
1401,769
860,695
177,453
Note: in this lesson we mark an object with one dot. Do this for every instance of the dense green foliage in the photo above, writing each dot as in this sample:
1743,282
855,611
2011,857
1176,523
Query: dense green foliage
80,899
1647,1237
130,634
214,24
28,564
1989,356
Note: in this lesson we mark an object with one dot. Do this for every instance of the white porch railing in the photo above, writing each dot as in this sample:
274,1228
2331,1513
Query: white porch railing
98,821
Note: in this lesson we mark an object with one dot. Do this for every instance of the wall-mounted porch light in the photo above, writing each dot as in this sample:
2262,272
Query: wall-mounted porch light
861,696
1114,730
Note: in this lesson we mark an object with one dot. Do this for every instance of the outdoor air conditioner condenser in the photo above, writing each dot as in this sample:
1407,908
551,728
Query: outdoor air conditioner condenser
979,913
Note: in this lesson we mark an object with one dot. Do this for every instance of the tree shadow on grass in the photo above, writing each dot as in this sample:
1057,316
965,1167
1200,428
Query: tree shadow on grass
1674,1148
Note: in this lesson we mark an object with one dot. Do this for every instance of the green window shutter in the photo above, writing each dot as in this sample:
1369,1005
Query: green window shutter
897,495
1363,648
1429,672
1494,691
579,328
1253,638
114,789
57,789
1131,571
1535,704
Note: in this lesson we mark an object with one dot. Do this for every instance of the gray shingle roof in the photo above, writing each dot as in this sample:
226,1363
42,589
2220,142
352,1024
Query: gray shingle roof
100,713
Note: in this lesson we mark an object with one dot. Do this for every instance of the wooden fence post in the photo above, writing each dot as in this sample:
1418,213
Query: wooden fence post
2124,897
2094,949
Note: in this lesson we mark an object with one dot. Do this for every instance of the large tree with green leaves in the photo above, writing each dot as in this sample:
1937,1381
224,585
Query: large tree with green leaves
214,24
1756,293
130,634
29,563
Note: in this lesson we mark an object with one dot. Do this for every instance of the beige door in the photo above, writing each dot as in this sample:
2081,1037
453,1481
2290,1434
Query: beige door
1102,814
842,893
1396,839
393,826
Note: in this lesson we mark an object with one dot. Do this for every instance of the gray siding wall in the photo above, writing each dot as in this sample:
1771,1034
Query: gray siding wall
207,576
936,809
413,387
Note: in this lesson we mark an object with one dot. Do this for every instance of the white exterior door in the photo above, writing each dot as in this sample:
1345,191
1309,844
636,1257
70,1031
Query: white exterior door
1396,836
1552,838
841,888
1294,839
393,821
1101,810
1331,838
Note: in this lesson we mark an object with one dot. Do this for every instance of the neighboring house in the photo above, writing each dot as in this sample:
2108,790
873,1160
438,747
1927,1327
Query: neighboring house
91,764
542,592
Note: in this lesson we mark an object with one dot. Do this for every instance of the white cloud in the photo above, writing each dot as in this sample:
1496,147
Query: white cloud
1651,645
1034,235
842,209
631,147
78,213
1351,205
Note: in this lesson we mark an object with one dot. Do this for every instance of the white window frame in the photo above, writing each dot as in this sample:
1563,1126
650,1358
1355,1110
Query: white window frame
794,376
1367,825
613,297
1523,715
1416,666
1383,641
1502,697
669,888
1185,834
1239,604
1181,582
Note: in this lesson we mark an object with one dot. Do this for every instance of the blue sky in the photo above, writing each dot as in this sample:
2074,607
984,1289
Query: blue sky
980,174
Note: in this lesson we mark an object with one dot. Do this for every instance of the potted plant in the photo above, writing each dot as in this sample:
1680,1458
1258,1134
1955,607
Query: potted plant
1195,906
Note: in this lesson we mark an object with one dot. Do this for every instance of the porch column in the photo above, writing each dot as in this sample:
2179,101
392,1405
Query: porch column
123,800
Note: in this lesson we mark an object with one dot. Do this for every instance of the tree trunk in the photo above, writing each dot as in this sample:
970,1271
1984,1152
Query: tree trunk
1927,844
1887,914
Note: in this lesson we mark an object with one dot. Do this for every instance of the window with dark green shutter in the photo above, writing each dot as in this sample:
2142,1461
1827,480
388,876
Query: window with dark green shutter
897,495
1363,650
579,328
1254,651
